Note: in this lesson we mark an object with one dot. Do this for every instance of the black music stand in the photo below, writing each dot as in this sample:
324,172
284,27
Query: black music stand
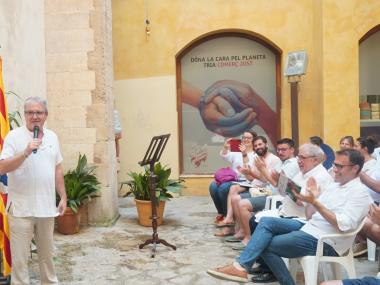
152,155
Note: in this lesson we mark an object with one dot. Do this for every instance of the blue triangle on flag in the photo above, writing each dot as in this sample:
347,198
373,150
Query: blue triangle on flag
4,179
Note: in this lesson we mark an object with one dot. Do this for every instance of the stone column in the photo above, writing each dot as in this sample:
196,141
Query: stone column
79,91
100,113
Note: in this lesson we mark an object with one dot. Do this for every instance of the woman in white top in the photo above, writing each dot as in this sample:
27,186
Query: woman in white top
370,176
366,145
219,193
371,228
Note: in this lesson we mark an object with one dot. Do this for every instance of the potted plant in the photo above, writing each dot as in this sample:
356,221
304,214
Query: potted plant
165,187
81,184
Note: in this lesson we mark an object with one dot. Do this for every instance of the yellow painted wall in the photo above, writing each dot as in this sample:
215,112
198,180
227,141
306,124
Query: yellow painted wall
145,69
344,24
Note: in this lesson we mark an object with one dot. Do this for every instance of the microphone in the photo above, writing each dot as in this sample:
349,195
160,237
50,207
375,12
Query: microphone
36,130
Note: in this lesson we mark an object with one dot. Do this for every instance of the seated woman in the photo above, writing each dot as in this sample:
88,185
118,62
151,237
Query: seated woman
346,142
246,155
371,228
366,146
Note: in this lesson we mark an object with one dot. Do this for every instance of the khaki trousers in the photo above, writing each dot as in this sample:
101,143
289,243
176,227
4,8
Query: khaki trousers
22,231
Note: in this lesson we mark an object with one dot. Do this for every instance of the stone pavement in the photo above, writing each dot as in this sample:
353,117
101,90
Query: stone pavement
110,255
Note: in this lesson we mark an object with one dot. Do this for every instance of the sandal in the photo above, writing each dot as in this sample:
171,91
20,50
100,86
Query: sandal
223,234
222,224
232,239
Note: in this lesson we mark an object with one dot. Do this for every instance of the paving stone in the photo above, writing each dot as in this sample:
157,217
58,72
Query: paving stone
110,255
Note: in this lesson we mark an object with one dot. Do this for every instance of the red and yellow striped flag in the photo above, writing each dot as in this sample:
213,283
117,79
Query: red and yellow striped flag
4,237
4,121
4,230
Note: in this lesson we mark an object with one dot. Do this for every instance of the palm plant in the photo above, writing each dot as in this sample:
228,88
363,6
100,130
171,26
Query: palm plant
81,184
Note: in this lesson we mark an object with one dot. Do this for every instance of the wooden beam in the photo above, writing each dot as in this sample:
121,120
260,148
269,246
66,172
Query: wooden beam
294,111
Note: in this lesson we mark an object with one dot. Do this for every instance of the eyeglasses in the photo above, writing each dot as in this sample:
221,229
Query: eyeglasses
246,138
282,149
32,113
302,157
340,166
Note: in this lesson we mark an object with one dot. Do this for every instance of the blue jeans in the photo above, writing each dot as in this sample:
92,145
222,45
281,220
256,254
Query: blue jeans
267,228
219,196
363,281
279,237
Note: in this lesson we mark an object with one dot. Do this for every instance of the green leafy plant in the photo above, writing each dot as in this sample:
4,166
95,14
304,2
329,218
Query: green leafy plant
15,119
81,184
165,187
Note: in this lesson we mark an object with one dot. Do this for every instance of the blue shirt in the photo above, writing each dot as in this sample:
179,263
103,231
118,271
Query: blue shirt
330,156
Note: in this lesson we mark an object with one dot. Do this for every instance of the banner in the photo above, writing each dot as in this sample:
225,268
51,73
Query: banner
228,86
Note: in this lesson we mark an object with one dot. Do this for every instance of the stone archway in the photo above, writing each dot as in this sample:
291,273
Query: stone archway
369,87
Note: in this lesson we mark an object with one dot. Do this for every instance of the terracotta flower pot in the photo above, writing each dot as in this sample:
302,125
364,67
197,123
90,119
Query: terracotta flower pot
144,212
68,223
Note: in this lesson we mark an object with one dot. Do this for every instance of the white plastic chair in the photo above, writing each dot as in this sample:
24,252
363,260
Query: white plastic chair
371,247
310,263
271,202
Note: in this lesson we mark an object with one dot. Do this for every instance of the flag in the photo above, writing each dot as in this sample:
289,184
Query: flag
4,230
4,237
4,121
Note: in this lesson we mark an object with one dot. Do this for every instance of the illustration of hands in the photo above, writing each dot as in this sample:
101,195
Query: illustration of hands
229,107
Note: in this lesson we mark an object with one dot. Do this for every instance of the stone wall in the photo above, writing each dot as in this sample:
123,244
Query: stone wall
22,42
100,113
79,91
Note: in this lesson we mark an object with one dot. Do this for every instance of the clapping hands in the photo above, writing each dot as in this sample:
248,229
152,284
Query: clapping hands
374,213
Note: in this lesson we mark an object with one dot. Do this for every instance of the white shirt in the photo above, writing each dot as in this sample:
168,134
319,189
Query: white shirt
350,203
374,173
31,187
116,122
236,159
272,163
321,176
369,166
290,167
376,153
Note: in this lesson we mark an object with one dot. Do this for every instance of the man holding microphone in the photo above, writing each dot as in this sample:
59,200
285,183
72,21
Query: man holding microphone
32,158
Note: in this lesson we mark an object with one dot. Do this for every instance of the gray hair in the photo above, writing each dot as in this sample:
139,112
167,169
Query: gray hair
33,100
313,150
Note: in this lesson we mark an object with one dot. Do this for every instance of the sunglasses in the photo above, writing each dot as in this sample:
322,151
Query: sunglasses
341,166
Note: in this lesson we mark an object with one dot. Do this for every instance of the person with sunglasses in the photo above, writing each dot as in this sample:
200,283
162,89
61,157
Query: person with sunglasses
244,207
341,207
